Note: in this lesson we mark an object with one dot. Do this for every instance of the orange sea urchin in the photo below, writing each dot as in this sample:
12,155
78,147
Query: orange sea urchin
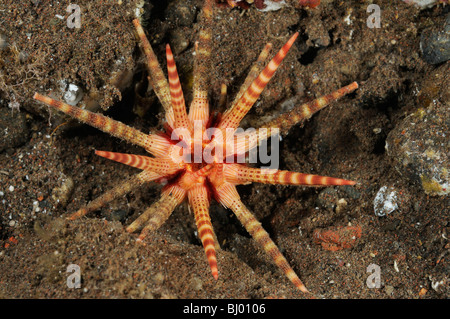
196,158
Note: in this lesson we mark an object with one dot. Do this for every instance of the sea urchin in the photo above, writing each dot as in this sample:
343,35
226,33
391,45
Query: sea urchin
198,153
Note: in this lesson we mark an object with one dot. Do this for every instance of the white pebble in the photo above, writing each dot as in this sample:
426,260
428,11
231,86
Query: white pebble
385,201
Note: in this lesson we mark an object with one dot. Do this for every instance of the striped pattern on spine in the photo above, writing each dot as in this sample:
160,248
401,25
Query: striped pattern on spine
198,200
199,109
241,108
158,213
241,174
116,192
156,77
229,197
99,121
157,165
203,50
176,92
253,74
246,141
303,112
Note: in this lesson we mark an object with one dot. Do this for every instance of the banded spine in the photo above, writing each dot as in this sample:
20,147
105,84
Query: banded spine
223,97
240,174
246,141
199,109
176,92
156,75
152,143
116,192
158,165
244,104
198,200
229,197
303,112
158,213
253,74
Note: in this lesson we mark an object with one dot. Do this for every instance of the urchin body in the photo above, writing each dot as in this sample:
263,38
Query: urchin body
197,153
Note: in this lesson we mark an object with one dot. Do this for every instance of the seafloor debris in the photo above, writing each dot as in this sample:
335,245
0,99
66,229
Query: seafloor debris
337,238
72,93
269,5
423,4
385,201
62,193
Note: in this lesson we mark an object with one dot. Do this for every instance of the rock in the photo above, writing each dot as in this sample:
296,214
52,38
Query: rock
308,3
341,205
181,13
440,285
327,198
419,146
337,238
435,44
351,192
62,193
117,215
13,129
178,41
